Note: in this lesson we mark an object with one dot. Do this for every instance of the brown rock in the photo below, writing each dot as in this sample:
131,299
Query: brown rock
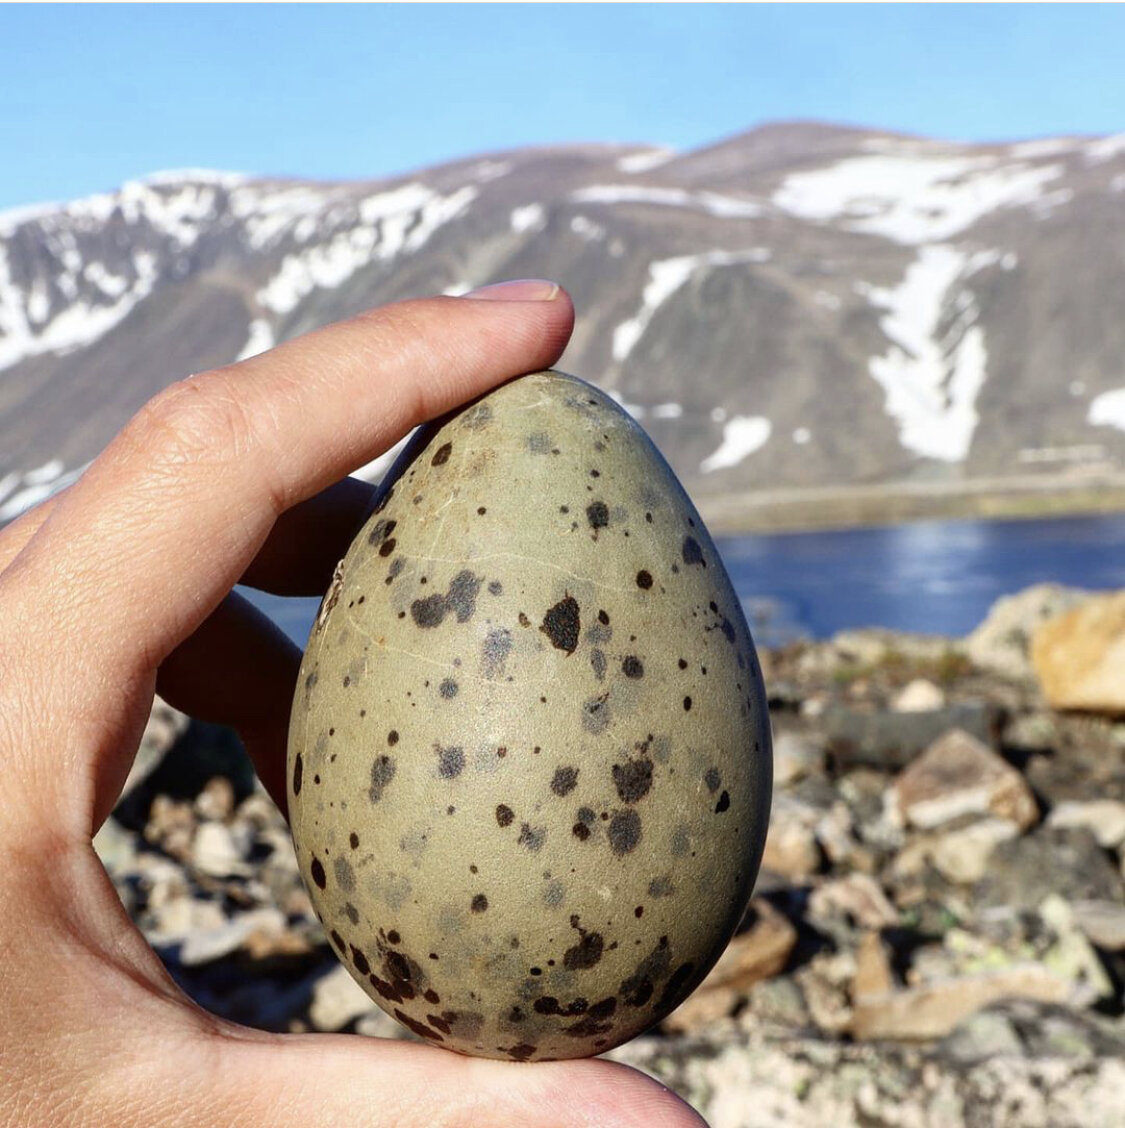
1079,657
959,775
873,976
791,850
857,897
932,1011
755,954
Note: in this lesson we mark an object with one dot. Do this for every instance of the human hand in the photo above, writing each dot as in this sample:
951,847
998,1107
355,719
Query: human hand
120,587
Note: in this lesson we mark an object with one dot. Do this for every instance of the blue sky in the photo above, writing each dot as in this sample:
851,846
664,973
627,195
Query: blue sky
91,96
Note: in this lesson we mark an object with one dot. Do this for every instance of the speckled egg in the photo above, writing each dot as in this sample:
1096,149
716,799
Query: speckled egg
529,756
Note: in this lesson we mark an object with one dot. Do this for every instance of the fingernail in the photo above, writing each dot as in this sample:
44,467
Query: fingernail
521,290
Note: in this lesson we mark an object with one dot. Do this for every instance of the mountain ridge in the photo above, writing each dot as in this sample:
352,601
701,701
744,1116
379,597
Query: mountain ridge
798,305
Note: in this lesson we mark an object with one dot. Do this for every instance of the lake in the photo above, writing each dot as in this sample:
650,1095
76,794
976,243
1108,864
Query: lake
936,577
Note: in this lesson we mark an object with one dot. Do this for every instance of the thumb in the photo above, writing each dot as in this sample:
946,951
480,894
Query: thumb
350,1080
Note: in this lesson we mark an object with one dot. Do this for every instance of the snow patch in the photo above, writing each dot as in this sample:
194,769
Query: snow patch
587,229
801,435
666,276
1043,147
931,385
391,222
912,199
23,335
1108,409
531,217
728,207
645,160
667,411
1105,148
20,491
742,436
259,338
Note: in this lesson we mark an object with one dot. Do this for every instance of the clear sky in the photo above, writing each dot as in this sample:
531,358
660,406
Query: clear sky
91,96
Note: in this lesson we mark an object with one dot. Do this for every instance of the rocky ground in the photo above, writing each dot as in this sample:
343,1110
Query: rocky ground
938,932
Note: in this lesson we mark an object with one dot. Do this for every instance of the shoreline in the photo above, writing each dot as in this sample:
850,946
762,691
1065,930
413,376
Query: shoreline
820,509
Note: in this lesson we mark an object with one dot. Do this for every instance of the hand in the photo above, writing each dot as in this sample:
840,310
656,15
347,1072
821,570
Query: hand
121,586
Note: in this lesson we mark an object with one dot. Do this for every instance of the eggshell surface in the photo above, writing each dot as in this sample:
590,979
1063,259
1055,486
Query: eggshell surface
529,757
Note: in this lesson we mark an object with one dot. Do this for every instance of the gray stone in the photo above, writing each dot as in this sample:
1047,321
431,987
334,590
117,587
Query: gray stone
1025,871
888,740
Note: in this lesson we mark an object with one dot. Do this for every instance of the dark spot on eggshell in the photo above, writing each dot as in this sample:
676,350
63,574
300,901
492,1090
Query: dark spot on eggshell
460,599
596,714
441,455
298,773
448,688
644,579
565,780
597,514
713,779
632,667
723,802
624,832
318,875
380,531
450,761
561,625
598,663
495,649
633,779
479,903
351,913
418,1028
532,837
383,770
345,876
504,815
692,553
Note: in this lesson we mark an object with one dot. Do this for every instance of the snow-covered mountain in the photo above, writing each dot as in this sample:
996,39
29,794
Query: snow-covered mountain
797,306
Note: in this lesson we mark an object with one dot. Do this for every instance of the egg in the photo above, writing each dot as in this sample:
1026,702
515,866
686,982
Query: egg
529,758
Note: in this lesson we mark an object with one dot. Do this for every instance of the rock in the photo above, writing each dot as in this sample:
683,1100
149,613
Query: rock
856,898
963,855
826,983
752,1077
791,850
1001,643
918,696
887,740
1103,922
795,756
873,975
198,754
1104,819
338,1001
1025,871
754,954
932,1011
956,776
214,851
202,946
182,916
1079,656
164,726
1072,955
216,801
982,1035
116,847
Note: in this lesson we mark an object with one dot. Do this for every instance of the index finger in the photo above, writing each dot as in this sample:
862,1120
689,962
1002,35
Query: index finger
164,522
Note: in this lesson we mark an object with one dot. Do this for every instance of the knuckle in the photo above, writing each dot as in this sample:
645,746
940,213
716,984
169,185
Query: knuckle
194,421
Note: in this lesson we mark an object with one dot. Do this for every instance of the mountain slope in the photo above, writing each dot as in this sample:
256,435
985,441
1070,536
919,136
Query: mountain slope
799,306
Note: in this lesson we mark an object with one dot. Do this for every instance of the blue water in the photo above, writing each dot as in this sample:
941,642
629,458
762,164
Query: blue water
937,577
